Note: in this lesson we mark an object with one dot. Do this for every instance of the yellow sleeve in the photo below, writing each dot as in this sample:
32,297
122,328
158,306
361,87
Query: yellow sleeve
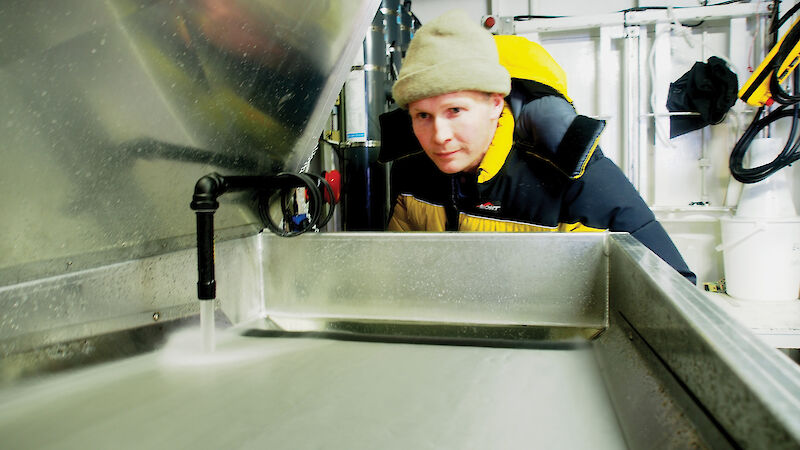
399,219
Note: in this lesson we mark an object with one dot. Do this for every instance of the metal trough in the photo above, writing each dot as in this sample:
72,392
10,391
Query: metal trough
391,341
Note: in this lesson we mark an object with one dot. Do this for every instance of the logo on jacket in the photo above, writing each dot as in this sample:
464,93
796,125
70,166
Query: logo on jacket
489,206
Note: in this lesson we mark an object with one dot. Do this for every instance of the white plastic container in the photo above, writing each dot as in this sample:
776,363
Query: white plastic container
761,243
761,257
771,197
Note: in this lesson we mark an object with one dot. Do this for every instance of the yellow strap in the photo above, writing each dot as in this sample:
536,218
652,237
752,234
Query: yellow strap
528,60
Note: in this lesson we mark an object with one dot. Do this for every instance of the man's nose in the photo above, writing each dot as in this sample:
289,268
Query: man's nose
442,131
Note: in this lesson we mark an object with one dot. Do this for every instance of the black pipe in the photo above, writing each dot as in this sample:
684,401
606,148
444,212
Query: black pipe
206,284
205,204
364,201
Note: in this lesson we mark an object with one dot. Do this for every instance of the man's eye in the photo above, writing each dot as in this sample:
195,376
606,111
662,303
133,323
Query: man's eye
422,115
455,110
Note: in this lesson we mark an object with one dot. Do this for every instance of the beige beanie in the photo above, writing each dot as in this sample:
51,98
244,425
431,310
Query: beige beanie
451,53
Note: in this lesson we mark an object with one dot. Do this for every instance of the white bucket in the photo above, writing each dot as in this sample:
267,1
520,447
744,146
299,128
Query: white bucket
761,257
771,197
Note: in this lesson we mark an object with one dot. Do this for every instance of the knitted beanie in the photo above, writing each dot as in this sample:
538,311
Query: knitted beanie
449,54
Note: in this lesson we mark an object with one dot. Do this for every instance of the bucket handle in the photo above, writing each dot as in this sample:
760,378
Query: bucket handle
760,226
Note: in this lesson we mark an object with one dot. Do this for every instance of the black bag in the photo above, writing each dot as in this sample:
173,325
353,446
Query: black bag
709,89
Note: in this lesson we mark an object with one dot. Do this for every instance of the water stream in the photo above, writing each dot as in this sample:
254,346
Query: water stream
207,325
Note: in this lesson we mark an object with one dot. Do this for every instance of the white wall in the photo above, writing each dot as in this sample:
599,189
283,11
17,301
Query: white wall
672,175
429,9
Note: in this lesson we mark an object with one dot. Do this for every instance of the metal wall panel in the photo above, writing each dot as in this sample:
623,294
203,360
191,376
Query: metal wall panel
127,295
112,110
541,279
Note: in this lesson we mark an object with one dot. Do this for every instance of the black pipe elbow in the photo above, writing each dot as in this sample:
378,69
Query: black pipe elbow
206,191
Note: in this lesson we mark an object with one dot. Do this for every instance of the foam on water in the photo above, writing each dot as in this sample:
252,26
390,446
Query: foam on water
187,348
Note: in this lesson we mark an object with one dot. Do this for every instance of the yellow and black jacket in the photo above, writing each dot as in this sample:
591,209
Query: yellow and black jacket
543,172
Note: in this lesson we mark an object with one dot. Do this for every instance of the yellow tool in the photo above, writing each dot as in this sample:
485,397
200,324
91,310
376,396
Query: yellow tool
756,90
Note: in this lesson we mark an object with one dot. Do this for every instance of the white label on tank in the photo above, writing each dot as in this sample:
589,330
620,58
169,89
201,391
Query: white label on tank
355,107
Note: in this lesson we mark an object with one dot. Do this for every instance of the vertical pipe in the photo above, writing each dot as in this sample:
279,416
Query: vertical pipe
630,103
391,13
605,100
206,284
494,7
329,160
740,57
364,201
703,162
375,74
663,158
645,161
406,27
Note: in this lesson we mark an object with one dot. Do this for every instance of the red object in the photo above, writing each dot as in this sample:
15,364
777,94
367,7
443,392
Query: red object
769,101
489,22
334,178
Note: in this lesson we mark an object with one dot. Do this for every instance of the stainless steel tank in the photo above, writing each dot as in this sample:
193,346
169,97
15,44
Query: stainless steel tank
355,340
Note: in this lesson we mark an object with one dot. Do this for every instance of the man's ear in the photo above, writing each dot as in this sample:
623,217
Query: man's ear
497,101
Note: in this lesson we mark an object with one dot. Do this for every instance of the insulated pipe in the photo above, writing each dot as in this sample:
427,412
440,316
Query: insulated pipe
365,98
375,78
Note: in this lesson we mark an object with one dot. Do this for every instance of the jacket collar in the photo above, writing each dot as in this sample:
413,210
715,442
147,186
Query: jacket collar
499,148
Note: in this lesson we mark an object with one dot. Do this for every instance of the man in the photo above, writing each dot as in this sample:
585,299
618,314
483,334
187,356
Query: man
478,151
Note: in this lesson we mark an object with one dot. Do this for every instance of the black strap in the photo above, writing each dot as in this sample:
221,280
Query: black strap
451,209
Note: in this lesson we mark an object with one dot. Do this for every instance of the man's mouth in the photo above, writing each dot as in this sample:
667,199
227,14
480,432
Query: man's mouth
445,154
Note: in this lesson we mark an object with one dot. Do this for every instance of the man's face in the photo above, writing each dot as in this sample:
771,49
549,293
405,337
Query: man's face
455,129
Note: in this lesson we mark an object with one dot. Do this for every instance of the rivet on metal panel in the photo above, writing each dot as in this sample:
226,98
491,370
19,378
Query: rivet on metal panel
156,316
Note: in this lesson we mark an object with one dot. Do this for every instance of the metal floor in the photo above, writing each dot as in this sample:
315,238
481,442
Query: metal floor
317,393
